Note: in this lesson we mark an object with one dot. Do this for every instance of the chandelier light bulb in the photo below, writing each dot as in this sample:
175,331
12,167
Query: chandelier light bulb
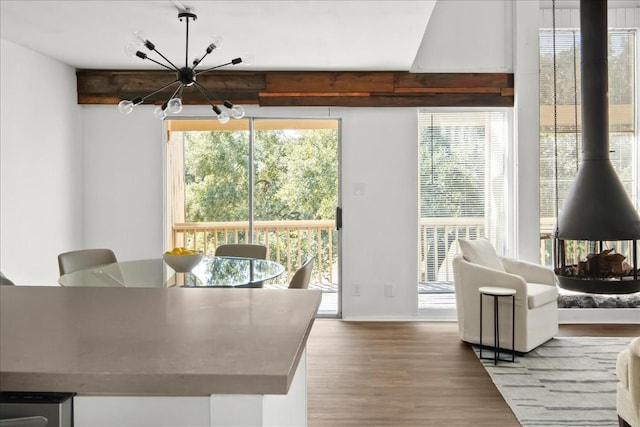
125,106
174,106
139,38
237,112
223,117
247,59
131,49
216,41
160,112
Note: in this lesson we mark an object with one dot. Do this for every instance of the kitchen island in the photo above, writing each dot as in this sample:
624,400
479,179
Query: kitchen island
173,356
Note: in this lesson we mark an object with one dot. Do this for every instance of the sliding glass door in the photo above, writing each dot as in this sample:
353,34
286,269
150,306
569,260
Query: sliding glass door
268,181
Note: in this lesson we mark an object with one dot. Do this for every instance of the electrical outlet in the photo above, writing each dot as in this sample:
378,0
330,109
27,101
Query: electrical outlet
388,290
359,188
355,289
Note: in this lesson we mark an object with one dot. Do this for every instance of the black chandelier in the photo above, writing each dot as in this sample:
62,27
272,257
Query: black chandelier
186,76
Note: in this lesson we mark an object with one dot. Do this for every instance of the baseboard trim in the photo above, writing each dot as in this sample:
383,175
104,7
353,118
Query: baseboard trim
565,316
599,315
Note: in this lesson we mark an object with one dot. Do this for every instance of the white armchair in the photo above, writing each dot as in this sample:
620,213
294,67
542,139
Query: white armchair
628,394
536,305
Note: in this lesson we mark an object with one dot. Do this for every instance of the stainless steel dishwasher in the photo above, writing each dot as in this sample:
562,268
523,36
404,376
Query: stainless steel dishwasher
57,408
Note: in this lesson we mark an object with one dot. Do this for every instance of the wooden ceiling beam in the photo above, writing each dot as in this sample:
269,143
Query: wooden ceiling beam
424,100
312,88
313,81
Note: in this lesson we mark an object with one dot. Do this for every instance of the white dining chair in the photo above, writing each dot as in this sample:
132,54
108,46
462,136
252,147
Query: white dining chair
243,250
302,276
69,262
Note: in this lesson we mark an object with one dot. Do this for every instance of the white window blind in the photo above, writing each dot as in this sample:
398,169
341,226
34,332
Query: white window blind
461,185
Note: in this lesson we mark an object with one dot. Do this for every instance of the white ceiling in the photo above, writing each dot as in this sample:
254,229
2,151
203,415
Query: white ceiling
575,4
280,35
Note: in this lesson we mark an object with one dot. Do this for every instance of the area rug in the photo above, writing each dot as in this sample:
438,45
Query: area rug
565,382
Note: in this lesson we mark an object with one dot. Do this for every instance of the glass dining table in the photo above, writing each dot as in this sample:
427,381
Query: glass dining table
227,272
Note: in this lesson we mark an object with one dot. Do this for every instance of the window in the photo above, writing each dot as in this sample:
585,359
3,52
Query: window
560,127
462,186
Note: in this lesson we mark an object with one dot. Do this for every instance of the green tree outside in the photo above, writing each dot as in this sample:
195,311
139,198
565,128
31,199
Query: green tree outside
295,178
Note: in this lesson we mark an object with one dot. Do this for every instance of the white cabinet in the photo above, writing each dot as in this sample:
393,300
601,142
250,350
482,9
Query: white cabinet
219,410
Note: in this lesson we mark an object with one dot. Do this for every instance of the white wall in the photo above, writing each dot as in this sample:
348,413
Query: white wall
527,130
124,196
467,36
123,185
40,165
380,237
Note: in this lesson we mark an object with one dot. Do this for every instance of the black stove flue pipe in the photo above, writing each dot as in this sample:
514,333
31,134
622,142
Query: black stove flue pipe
597,207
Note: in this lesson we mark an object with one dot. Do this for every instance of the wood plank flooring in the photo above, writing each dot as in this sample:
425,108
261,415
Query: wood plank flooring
379,374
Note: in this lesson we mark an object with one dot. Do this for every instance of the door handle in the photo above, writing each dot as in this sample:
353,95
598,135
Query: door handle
338,218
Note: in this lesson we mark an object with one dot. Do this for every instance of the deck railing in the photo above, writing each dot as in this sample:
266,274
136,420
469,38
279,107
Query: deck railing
547,231
437,244
290,242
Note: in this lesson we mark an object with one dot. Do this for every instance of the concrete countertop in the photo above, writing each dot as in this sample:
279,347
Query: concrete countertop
155,342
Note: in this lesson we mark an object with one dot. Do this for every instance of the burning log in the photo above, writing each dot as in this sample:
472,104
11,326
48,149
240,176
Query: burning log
618,264
603,264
